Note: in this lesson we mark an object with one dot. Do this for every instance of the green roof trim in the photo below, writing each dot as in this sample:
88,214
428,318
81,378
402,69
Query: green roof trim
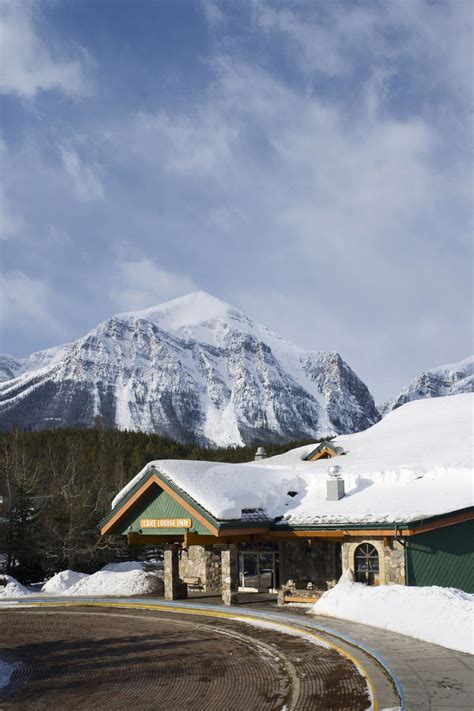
388,525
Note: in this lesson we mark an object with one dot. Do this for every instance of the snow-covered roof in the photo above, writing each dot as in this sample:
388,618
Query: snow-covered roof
417,462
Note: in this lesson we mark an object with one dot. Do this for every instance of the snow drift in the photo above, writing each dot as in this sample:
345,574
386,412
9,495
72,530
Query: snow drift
442,616
62,581
12,588
107,582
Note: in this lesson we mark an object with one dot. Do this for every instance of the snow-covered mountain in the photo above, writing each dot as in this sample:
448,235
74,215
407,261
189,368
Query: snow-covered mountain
193,369
451,379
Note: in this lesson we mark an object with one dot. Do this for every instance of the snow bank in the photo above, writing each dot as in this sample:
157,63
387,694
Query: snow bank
416,462
62,581
127,578
13,588
124,567
443,616
106,582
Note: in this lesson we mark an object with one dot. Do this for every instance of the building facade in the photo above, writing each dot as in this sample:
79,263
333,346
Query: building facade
256,554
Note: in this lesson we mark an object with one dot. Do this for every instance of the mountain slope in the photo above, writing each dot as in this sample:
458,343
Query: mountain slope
193,369
451,379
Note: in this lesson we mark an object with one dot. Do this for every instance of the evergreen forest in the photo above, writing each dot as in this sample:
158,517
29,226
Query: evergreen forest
56,486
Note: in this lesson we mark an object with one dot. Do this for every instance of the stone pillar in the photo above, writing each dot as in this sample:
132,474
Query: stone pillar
171,572
230,575
283,563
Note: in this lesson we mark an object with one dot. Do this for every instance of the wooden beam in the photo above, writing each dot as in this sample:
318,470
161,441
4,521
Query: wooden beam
226,532
122,510
136,539
459,518
279,535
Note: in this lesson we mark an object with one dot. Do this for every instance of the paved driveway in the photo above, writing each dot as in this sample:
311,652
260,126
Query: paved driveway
115,659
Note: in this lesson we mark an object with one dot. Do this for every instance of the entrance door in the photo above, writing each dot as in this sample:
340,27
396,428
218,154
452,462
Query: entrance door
248,571
266,570
257,571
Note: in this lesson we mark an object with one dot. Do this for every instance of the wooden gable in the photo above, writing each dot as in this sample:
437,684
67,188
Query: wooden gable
323,451
154,507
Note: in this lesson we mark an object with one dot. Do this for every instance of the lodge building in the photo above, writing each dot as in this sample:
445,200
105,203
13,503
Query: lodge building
393,504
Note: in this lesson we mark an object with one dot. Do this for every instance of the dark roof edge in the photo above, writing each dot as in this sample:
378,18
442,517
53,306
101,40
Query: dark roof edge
389,525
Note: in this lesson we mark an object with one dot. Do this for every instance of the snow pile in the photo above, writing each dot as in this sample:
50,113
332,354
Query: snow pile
12,588
127,578
62,581
124,567
107,582
442,616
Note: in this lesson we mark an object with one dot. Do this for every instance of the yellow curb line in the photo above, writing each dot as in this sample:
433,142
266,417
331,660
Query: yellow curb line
228,615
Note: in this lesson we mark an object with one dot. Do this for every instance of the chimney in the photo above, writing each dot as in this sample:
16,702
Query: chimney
260,454
335,485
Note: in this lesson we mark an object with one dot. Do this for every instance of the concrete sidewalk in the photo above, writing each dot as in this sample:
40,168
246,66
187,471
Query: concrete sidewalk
432,677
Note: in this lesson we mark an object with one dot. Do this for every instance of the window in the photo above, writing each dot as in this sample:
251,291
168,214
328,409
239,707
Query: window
366,563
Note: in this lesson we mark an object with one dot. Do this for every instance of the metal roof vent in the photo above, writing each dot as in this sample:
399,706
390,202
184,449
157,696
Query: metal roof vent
334,484
260,454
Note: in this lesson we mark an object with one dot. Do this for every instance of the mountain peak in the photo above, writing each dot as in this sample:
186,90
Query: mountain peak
189,310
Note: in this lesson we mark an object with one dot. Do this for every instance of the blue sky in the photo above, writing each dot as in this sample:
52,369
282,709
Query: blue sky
309,162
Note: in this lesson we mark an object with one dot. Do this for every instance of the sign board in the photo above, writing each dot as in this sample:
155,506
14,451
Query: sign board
165,523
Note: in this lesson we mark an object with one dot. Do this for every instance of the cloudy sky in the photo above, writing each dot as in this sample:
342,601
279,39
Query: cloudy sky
309,162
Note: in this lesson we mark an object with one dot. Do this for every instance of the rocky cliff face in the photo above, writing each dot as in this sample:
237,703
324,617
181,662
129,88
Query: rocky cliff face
193,369
451,379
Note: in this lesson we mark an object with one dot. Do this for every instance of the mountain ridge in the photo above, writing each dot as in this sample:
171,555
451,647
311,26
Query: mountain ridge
193,369
441,381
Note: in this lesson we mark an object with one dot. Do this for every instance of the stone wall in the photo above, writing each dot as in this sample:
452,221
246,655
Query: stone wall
313,560
213,568
192,563
391,558
202,562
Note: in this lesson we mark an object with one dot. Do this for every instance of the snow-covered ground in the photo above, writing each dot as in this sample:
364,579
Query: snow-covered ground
414,463
443,616
123,579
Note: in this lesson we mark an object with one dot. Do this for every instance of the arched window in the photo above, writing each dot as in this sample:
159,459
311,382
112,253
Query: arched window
366,561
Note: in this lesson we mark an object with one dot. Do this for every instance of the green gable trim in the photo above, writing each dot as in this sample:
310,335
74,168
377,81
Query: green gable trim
153,471
443,557
157,504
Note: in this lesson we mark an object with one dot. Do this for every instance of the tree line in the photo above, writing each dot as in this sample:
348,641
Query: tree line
56,486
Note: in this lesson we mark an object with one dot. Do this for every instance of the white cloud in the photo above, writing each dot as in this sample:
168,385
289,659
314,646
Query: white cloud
27,302
335,38
139,284
212,11
29,64
86,182
10,224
